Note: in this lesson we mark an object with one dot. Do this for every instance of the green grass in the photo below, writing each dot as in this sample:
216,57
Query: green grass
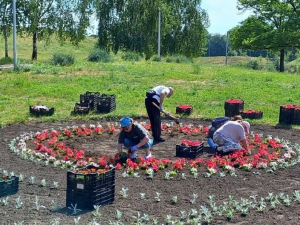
205,83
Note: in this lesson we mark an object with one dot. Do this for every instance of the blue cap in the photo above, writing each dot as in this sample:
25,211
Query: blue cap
125,121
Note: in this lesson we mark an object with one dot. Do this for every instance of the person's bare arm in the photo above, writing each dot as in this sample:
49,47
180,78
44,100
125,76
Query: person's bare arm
245,146
120,146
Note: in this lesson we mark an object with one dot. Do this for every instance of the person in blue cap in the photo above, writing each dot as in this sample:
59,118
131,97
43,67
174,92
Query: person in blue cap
134,137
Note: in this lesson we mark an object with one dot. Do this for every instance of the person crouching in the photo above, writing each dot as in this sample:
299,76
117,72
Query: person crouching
231,137
134,137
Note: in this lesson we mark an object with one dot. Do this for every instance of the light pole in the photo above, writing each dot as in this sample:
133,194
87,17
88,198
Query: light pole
158,41
15,34
226,47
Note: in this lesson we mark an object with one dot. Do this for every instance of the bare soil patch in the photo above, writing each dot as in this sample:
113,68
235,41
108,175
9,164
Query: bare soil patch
243,185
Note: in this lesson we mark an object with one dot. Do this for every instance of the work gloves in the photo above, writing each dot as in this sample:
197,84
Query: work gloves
134,148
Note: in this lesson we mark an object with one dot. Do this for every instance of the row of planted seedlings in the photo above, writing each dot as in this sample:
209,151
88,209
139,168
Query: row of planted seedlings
207,212
262,159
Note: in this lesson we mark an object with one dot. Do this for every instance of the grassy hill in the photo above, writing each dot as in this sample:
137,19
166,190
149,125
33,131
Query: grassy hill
205,83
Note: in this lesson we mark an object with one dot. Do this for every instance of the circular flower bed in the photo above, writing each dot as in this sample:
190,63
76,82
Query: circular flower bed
267,153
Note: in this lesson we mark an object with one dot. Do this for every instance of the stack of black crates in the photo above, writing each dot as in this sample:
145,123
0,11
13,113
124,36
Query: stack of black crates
289,114
94,101
87,190
233,107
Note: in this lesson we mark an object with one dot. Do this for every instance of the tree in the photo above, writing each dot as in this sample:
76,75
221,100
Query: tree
66,18
133,25
6,21
274,27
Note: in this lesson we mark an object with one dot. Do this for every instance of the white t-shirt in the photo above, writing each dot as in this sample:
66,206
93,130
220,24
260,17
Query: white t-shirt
158,90
233,130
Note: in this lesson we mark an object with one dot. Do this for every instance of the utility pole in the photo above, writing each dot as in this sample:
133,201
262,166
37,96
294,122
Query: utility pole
15,35
226,47
158,41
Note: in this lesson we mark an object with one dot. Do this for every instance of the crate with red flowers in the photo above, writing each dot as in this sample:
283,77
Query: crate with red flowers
189,149
252,114
184,109
289,114
90,186
233,107
9,185
41,110
106,103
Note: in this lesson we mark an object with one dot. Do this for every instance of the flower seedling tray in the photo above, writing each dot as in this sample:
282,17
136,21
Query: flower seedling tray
184,109
41,110
289,114
9,186
188,151
87,190
233,107
82,108
252,114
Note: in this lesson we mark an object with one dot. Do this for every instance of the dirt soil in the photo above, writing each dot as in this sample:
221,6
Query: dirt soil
244,185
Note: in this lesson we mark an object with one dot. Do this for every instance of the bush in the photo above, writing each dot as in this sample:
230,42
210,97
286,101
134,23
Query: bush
99,55
291,68
156,58
6,60
253,64
62,59
178,59
131,56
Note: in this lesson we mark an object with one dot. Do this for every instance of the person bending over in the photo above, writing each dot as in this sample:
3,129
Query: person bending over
231,136
159,94
134,137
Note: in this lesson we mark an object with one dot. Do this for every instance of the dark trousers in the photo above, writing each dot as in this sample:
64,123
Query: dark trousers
154,116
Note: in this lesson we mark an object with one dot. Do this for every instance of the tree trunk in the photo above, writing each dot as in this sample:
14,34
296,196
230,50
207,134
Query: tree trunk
281,65
34,49
6,44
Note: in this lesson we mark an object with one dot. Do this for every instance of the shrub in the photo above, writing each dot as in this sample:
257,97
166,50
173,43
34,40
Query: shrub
131,56
253,64
178,59
62,59
156,58
6,60
291,68
99,55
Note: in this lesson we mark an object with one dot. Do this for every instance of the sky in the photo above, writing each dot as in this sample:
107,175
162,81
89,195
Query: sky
223,15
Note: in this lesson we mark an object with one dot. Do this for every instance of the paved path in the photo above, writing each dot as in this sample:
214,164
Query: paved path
7,66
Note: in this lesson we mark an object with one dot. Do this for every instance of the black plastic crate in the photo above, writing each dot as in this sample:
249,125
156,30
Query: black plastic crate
106,108
186,109
296,117
82,108
233,107
9,186
286,114
87,190
41,110
252,114
189,151
106,103
105,99
89,98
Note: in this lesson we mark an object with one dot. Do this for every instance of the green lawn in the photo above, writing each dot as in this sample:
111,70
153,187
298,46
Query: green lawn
205,83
